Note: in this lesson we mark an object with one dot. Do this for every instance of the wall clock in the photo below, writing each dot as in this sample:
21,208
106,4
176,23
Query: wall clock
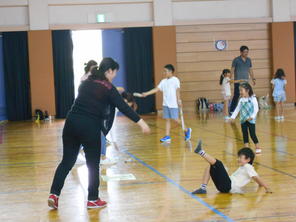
221,45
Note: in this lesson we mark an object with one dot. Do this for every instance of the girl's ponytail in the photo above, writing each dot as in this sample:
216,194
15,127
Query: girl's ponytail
224,72
89,65
221,79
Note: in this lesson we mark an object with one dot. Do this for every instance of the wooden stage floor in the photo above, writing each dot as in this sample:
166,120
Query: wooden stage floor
165,175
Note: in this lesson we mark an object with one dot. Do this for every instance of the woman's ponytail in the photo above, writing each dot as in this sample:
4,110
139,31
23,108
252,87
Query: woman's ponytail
98,72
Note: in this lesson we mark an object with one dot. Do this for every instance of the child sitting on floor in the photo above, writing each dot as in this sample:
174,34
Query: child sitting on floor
223,182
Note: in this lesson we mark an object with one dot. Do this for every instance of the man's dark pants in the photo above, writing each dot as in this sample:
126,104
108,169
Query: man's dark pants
235,98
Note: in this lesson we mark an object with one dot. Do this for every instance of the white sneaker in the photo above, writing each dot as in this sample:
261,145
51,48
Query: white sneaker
258,151
277,117
107,162
226,118
282,117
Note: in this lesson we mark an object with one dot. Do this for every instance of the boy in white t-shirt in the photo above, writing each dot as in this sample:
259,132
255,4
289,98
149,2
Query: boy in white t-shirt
225,183
170,86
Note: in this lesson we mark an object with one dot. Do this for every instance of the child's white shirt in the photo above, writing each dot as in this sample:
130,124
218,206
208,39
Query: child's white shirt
239,105
241,177
226,89
169,88
279,87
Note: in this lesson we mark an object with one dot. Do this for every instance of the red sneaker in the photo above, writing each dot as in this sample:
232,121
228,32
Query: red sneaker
53,201
96,203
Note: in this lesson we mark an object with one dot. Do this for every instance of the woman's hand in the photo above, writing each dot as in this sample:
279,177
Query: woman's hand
145,128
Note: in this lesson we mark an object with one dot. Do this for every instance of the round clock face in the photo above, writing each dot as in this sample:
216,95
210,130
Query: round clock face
221,45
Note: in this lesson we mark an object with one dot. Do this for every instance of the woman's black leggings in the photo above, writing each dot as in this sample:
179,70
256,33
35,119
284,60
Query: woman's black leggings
80,130
249,127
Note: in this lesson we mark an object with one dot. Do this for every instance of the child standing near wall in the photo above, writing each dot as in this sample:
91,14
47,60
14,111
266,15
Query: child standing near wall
248,109
279,92
226,90
170,86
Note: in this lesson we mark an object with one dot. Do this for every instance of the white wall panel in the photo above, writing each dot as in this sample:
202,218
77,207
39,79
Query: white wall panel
281,10
38,15
64,13
14,16
82,2
293,7
221,9
13,2
118,13
163,12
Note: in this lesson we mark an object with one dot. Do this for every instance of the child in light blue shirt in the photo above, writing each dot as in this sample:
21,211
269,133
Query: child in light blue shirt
279,92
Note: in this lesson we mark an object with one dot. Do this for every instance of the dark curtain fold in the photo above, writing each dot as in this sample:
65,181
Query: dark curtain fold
16,76
139,65
3,115
63,71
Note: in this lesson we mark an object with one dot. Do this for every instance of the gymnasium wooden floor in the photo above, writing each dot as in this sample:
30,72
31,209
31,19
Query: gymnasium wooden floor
165,175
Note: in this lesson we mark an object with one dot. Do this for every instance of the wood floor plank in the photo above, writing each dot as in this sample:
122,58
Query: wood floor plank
165,175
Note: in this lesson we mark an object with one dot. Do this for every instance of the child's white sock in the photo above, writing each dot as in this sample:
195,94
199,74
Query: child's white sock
202,152
199,149
203,186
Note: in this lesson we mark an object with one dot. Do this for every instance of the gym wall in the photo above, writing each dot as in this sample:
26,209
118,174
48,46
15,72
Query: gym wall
41,71
200,64
283,47
164,52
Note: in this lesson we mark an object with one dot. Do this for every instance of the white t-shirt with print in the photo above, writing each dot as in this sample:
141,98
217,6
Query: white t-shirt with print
169,88
241,177
252,99
226,90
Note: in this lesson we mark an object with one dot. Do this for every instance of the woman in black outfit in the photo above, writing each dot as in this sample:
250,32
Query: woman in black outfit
92,112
